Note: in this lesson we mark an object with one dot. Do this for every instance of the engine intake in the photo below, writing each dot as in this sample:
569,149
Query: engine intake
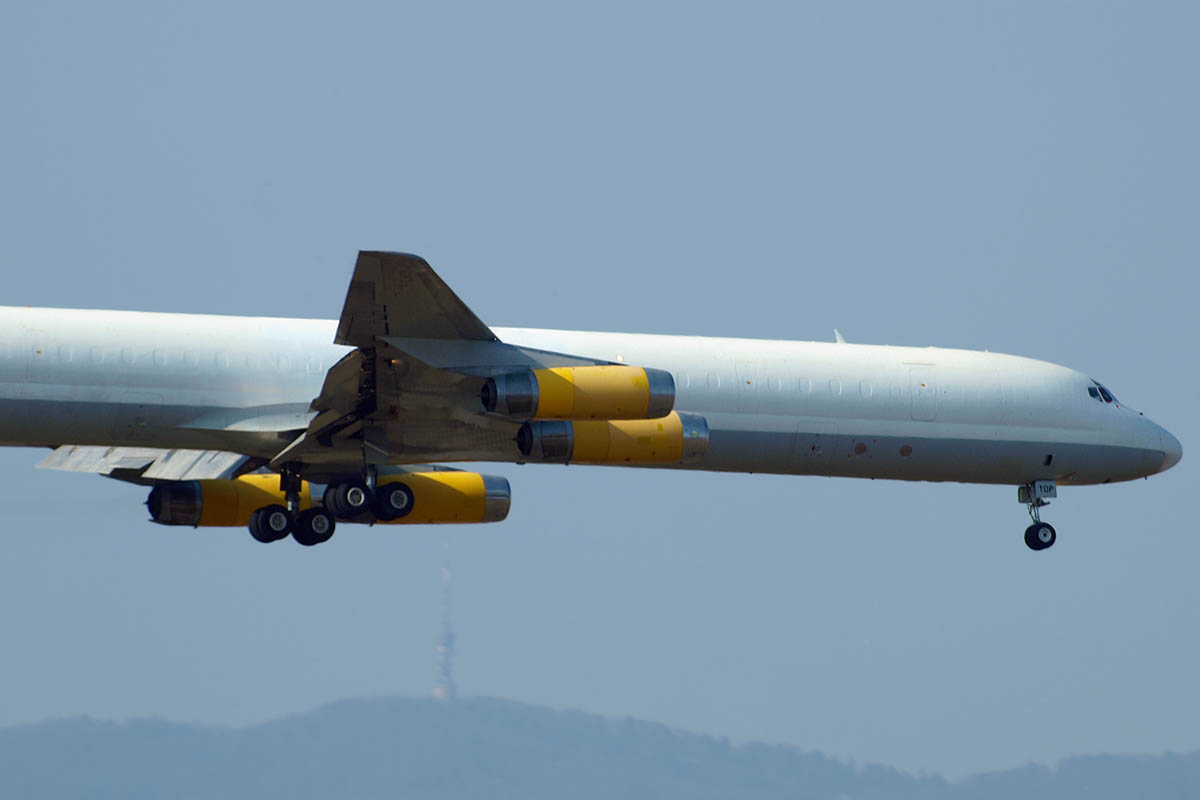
581,393
676,438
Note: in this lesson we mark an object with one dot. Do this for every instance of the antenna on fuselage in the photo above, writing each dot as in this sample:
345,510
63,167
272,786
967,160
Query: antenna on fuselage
837,336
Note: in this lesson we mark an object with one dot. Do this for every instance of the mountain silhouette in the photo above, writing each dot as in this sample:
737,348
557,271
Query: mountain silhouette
482,747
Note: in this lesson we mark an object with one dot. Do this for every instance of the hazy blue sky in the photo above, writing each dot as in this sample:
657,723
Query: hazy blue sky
1020,177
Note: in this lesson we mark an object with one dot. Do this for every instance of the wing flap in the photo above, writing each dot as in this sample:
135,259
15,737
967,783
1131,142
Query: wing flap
98,459
145,463
194,465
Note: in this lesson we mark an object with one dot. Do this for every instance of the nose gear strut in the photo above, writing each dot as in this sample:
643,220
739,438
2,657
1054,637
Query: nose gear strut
1039,535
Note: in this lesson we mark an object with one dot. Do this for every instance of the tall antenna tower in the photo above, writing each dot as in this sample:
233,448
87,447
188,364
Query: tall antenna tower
445,689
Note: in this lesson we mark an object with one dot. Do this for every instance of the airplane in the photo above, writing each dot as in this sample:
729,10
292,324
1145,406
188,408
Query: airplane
290,427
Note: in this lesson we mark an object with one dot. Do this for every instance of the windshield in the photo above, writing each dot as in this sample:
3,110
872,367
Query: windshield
1100,393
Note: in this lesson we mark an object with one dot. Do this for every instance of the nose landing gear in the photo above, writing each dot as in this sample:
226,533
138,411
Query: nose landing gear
1039,535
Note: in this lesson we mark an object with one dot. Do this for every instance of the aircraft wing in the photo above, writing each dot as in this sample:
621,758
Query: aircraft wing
409,393
398,294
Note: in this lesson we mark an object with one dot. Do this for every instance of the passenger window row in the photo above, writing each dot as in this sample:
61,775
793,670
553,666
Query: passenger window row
189,358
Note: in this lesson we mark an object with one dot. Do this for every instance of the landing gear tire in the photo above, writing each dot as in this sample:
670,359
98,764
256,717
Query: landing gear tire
270,524
348,500
313,526
393,501
1033,495
1040,535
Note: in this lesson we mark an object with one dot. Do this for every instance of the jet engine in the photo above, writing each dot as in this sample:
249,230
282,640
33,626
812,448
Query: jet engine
444,496
675,438
415,497
218,503
600,393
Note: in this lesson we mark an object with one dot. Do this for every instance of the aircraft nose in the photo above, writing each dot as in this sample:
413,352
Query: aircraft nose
1172,449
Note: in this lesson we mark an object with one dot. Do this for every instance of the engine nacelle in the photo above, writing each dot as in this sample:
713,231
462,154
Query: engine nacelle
676,438
218,503
436,497
578,393
449,496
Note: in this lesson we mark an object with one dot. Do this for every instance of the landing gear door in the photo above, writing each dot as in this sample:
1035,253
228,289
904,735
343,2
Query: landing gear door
924,394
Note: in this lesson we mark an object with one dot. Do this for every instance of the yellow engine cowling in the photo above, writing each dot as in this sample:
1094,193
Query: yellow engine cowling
676,438
437,497
450,496
218,503
581,393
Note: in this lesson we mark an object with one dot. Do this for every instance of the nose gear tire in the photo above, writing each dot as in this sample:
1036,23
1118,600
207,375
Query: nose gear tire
1040,535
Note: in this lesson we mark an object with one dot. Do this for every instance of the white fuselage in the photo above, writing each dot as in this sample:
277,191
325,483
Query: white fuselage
233,383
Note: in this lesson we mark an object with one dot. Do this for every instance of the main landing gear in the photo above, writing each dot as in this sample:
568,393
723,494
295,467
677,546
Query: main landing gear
1039,535
366,501
308,527
357,500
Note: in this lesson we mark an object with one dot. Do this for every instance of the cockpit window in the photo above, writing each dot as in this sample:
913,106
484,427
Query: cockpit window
1099,393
